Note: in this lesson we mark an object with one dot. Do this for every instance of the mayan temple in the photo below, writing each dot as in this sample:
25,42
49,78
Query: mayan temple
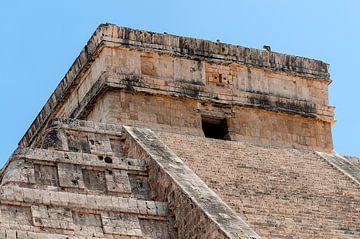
159,136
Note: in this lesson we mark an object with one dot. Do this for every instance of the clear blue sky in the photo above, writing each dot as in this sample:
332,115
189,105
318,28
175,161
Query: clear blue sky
40,39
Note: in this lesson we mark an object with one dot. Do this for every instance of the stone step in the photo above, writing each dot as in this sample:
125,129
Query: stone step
13,195
83,136
33,210
84,159
76,172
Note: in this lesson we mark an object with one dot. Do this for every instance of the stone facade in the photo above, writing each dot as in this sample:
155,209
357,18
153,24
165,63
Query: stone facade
91,166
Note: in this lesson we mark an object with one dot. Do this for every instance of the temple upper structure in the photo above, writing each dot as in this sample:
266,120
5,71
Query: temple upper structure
181,84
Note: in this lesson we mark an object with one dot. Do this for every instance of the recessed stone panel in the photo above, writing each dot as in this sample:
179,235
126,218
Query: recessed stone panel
157,229
117,181
70,175
116,147
139,186
15,215
88,224
94,180
52,217
46,175
121,224
99,144
78,142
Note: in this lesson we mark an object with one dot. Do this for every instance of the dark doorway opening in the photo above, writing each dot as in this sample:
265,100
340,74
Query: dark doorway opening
216,128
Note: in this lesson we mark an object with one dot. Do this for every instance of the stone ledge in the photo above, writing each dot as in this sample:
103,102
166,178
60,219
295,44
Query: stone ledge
343,165
25,196
111,81
22,234
213,51
353,160
242,99
87,160
86,126
83,159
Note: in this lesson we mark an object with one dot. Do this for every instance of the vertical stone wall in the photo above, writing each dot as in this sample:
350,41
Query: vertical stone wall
184,115
153,111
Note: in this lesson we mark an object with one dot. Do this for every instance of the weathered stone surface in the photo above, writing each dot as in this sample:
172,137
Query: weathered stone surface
197,209
108,81
281,193
343,164
354,160
72,178
80,195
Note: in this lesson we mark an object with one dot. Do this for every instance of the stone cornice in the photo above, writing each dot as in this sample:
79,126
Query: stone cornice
214,51
111,81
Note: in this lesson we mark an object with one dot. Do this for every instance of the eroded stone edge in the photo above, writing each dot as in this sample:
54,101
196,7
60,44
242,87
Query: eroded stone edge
342,164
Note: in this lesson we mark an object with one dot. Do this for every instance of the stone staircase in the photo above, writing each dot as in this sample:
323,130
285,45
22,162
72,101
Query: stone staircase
280,192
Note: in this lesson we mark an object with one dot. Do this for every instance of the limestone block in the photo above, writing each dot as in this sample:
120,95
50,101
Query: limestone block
282,87
124,61
191,71
117,181
52,217
70,175
158,229
46,174
15,215
18,234
78,142
10,234
55,139
116,146
121,224
150,65
94,180
139,186
99,144
19,171
259,81
88,224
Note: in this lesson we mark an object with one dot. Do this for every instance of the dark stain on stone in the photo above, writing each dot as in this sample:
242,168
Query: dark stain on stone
52,140
263,102
191,93
194,82
108,160
75,181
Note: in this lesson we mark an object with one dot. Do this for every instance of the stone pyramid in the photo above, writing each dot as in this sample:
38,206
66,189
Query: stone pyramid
158,136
